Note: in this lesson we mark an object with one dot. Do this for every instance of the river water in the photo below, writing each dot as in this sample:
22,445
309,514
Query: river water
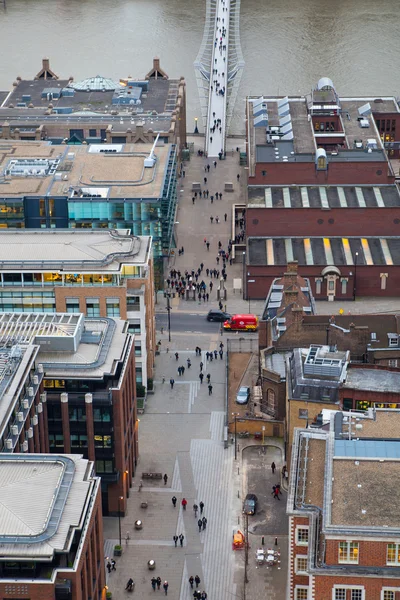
287,44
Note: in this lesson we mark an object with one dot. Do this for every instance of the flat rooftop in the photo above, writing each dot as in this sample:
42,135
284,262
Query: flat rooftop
154,111
82,171
323,197
312,383
267,251
361,489
373,380
102,347
58,487
71,249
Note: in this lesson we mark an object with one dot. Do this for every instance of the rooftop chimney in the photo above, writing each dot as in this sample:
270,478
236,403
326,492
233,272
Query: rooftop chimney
290,276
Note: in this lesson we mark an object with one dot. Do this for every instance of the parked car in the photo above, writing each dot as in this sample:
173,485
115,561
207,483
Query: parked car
250,504
218,315
242,323
243,395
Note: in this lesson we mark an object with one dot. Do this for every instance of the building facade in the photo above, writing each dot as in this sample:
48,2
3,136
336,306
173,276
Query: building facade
54,552
119,186
96,110
343,541
99,273
321,191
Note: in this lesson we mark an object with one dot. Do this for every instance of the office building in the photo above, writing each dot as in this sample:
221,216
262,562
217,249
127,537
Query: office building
68,385
101,273
51,530
95,110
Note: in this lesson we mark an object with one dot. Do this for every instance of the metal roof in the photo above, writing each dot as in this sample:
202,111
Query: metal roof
374,449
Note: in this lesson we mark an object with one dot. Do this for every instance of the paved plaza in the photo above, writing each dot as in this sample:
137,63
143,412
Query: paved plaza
181,434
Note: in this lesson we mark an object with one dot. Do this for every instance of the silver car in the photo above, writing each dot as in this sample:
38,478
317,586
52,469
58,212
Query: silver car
243,395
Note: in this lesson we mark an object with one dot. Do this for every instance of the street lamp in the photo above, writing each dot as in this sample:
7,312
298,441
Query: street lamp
169,316
119,519
235,414
196,129
244,275
355,276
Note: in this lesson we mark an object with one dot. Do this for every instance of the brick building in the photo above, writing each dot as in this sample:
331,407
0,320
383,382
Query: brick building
124,111
86,369
100,273
321,191
54,552
343,538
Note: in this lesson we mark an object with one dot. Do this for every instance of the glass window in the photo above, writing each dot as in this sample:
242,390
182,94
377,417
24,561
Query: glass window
348,552
93,307
393,362
301,593
356,594
340,593
92,132
388,595
138,349
344,286
318,286
301,564
302,536
59,440
72,305
134,328
393,554
112,307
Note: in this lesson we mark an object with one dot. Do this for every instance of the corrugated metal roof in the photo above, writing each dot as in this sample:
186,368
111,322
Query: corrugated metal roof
95,84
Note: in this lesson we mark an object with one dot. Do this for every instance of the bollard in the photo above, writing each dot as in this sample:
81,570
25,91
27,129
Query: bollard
262,541
276,541
238,470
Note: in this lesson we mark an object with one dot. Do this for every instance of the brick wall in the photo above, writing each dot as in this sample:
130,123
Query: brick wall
343,222
61,293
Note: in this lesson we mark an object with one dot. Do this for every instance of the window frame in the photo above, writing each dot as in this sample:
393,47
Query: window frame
396,562
297,531
348,560
341,586
393,590
301,588
297,570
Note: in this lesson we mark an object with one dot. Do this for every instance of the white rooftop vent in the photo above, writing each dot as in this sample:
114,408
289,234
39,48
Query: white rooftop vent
20,416
9,444
150,161
25,446
365,110
364,123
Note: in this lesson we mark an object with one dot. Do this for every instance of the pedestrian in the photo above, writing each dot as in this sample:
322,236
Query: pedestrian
225,217
210,389
191,581
238,176
208,246
211,142
113,565
203,595
175,538
273,467
179,371
153,583
165,586
208,374
181,538
201,377
212,199
174,501
208,168
221,354
201,507
215,163
189,363
276,493
205,180
165,479
176,356
204,521
184,503
200,524
211,219
109,567
201,366
215,354
158,582
171,383
195,509
211,286
182,370
197,580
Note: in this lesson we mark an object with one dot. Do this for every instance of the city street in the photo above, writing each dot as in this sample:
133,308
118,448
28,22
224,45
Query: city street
181,434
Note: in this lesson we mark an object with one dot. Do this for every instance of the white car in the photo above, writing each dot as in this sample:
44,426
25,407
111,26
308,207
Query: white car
243,395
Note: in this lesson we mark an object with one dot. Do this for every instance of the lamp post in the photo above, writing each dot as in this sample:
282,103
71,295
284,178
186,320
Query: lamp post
169,316
235,414
244,275
119,519
196,129
355,276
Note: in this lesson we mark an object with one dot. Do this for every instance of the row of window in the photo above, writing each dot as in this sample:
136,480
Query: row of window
347,592
349,551
56,440
331,284
101,414
93,306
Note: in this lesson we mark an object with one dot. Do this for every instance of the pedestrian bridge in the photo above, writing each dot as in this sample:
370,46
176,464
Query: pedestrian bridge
219,67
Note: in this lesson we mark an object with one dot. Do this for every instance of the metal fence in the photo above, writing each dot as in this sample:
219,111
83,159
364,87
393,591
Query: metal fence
241,344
